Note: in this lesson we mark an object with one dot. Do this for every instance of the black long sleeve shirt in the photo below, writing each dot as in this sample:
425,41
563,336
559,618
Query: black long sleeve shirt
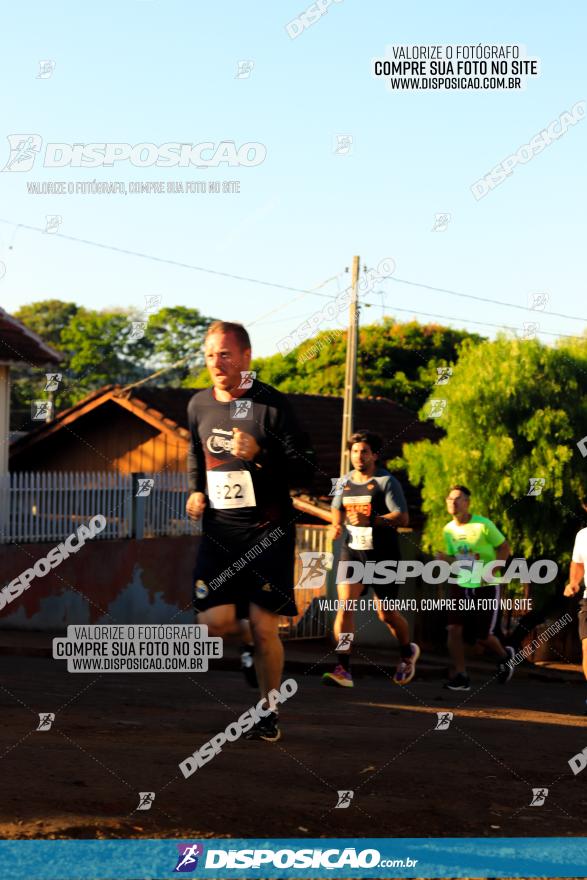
285,460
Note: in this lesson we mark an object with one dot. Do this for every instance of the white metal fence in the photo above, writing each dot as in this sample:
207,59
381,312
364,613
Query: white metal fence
50,506
39,507
163,510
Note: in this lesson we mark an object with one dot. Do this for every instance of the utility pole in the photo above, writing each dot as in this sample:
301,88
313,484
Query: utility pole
350,379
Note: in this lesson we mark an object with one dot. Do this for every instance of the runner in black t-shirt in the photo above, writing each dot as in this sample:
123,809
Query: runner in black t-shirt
246,452
372,502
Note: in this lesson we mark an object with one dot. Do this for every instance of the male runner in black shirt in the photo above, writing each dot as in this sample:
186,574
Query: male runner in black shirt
246,452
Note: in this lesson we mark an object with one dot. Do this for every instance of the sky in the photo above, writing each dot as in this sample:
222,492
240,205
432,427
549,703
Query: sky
149,71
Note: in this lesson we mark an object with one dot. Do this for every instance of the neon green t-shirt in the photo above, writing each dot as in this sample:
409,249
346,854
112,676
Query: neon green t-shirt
479,536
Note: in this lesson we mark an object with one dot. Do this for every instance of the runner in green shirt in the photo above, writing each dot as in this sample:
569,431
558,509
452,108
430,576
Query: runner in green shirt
471,537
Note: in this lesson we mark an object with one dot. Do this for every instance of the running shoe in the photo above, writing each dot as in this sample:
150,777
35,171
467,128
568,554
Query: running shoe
267,728
505,668
340,676
407,666
248,667
458,682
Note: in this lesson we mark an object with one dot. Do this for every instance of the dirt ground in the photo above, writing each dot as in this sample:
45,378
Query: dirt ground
117,735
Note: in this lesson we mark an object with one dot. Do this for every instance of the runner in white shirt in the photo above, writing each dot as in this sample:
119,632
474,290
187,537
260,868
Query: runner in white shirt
577,575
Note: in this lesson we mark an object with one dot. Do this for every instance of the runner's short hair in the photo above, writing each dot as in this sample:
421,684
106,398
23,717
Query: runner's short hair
374,441
460,488
237,330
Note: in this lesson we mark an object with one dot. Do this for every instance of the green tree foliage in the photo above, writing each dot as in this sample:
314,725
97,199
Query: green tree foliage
395,360
172,334
48,318
515,412
99,349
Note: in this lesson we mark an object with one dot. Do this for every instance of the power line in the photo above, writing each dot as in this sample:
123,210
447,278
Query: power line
169,262
277,285
480,323
496,302
289,302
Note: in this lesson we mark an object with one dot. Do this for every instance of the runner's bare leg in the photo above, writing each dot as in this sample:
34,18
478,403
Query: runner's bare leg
494,644
268,649
344,621
397,625
221,620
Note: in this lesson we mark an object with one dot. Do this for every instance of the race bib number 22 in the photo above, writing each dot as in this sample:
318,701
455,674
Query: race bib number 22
230,489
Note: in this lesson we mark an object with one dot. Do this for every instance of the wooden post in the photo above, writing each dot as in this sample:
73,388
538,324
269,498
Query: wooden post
350,381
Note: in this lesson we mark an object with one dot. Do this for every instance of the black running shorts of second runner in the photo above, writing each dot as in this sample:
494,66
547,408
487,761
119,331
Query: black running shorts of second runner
255,567
381,590
477,623
583,619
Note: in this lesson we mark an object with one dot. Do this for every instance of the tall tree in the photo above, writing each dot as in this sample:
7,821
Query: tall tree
48,318
395,360
103,347
515,411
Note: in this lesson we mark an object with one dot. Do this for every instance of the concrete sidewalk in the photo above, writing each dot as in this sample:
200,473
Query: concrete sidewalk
316,656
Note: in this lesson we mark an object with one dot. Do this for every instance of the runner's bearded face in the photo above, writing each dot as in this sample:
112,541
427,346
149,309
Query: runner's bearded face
362,458
225,361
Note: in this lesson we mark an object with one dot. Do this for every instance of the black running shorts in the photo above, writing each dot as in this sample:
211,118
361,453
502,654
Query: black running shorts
478,623
257,566
382,591
583,619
